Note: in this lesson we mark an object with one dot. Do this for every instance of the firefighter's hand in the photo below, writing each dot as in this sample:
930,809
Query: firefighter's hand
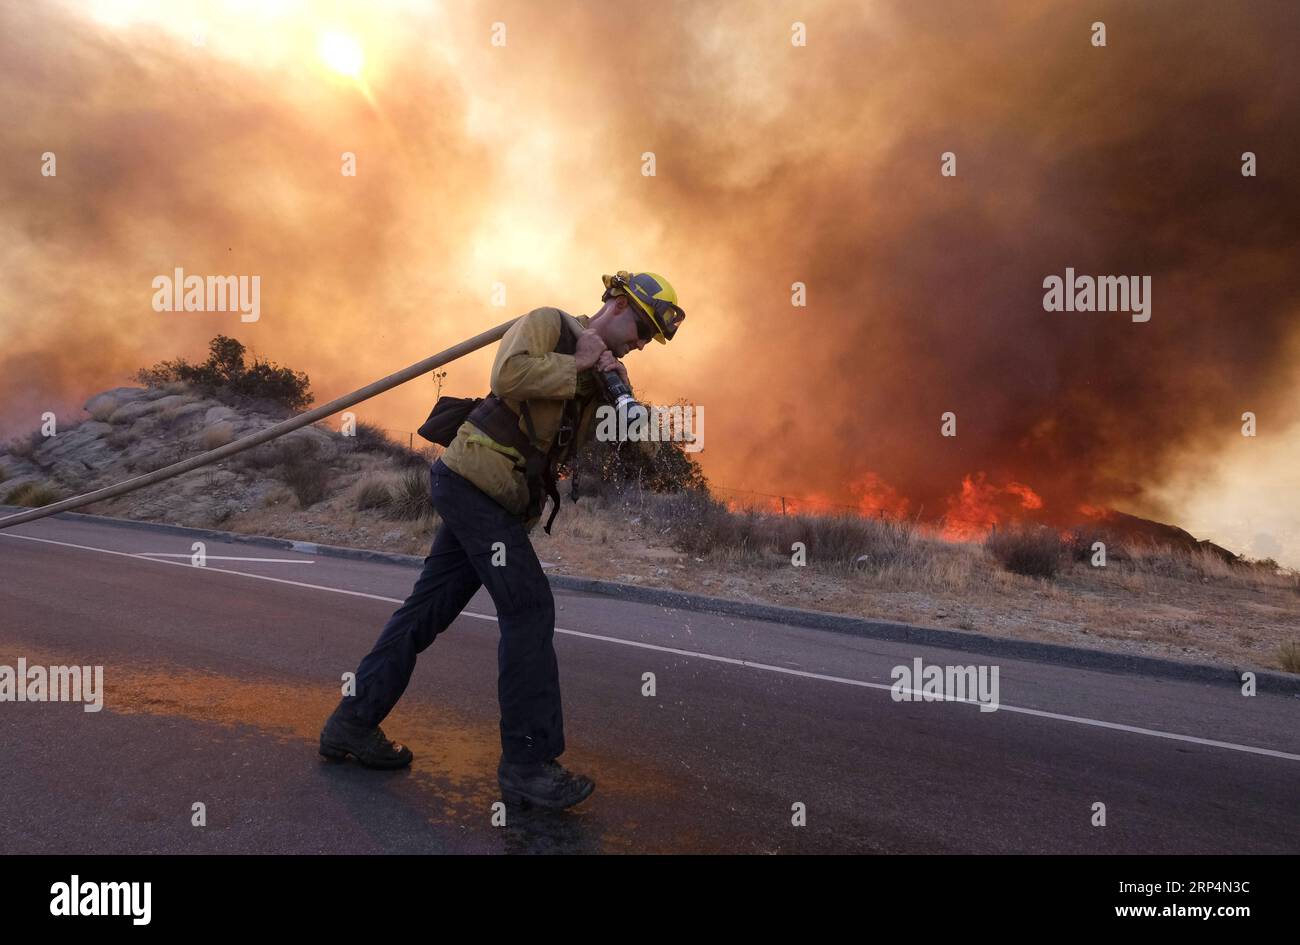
590,348
607,362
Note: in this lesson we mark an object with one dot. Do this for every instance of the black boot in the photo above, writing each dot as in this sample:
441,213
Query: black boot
543,785
340,738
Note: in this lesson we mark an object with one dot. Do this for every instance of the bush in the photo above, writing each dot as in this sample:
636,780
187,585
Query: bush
32,494
219,434
697,523
308,479
1034,552
620,465
374,493
403,496
24,447
1289,656
411,500
103,408
225,372
1078,545
278,452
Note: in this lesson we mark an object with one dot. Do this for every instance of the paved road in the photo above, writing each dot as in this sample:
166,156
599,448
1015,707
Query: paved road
217,680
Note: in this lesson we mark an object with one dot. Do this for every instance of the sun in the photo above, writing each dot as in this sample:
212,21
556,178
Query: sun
342,53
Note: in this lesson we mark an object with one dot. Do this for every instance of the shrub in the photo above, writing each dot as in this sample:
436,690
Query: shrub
410,499
24,447
374,493
219,434
269,455
308,479
225,372
671,469
1035,552
170,415
1289,656
32,494
1078,544
402,495
103,408
697,523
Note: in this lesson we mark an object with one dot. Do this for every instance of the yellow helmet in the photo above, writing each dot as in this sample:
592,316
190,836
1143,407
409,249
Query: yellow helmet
653,296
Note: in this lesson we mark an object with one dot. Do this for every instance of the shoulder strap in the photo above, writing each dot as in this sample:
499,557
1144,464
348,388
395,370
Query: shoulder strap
570,328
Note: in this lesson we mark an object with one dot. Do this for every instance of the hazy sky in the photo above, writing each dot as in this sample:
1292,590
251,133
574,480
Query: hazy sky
210,136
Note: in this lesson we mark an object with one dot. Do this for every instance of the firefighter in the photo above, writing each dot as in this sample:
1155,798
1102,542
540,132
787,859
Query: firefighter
488,488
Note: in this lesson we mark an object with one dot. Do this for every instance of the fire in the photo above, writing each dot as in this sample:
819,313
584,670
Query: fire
815,504
877,498
979,505
982,505
1029,499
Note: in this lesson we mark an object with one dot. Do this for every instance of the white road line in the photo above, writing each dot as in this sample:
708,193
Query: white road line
185,554
692,654
178,564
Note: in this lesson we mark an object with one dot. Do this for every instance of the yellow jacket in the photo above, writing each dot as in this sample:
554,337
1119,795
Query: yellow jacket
527,367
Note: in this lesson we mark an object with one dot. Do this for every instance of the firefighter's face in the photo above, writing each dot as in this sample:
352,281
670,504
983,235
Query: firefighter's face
622,332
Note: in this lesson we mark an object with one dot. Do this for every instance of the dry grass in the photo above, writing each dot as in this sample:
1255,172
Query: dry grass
168,415
1188,604
1033,552
156,459
1146,566
103,408
412,501
278,496
24,447
270,455
698,524
308,480
403,496
1288,656
374,491
372,439
32,494
122,439
219,434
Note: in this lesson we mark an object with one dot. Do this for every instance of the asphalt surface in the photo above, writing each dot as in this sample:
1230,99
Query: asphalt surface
218,678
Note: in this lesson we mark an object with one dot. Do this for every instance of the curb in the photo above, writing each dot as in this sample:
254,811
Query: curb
1270,681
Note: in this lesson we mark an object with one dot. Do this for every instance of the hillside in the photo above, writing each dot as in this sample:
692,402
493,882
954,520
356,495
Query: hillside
1184,600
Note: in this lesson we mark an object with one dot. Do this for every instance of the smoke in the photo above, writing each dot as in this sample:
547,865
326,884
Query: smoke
775,164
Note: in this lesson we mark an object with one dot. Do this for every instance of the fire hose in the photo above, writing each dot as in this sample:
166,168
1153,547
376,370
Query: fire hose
270,433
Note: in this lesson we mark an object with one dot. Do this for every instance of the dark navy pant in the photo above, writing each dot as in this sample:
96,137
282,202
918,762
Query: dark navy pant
458,564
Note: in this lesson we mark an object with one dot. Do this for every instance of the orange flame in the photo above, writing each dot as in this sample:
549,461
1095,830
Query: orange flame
970,514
